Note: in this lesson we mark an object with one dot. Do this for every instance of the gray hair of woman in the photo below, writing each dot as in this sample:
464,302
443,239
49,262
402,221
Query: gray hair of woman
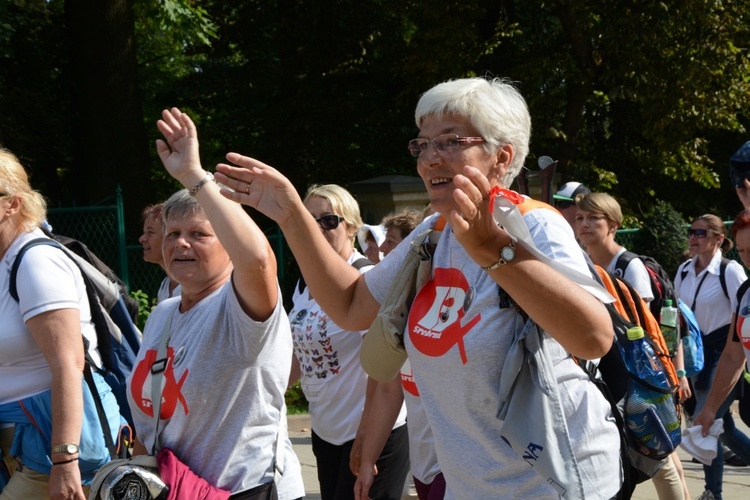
15,182
342,203
180,205
494,107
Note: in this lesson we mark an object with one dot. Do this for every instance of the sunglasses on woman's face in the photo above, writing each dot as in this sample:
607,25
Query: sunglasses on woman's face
564,205
329,222
698,233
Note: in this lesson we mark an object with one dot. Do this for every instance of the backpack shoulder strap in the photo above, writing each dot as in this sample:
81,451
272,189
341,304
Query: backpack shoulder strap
623,261
529,204
723,275
742,290
362,262
12,288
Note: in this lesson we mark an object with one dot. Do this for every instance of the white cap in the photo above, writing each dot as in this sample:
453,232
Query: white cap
378,232
570,190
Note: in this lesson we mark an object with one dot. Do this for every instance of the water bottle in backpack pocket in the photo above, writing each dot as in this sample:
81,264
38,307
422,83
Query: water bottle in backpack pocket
652,418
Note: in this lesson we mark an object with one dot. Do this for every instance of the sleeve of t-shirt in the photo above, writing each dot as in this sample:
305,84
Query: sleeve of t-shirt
249,337
379,278
735,277
637,275
47,280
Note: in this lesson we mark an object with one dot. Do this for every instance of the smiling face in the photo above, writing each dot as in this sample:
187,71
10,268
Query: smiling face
193,255
593,228
438,169
151,240
342,237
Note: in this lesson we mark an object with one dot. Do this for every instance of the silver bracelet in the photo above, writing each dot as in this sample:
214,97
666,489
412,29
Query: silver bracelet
208,178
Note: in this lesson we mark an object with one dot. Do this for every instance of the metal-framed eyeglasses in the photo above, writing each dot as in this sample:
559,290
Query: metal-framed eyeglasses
329,222
445,143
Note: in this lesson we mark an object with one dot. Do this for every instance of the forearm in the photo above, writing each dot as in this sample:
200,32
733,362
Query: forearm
381,412
728,372
67,407
337,287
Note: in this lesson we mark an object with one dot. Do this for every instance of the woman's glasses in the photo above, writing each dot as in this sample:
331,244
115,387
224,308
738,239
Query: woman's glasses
563,205
698,233
446,143
329,222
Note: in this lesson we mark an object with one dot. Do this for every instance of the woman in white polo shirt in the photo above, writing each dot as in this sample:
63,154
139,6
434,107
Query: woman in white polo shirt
699,284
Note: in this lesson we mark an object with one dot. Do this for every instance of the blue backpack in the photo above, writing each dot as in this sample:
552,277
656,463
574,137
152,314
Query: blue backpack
692,342
118,337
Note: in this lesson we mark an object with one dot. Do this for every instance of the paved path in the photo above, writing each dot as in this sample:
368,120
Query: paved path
736,479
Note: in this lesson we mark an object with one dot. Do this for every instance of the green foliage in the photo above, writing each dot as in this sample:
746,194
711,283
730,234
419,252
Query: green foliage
295,400
662,236
145,306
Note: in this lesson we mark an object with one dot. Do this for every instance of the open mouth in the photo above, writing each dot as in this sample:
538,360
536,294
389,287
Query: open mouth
439,181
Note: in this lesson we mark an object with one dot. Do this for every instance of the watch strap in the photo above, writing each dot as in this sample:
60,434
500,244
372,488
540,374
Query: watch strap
65,448
502,260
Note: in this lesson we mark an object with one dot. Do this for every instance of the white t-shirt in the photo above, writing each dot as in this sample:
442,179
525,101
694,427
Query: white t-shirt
223,392
47,280
635,274
457,339
332,377
422,453
163,293
712,308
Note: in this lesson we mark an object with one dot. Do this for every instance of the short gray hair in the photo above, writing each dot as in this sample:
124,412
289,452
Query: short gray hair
493,106
180,204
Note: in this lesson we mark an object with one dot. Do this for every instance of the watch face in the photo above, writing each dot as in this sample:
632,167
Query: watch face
72,448
508,253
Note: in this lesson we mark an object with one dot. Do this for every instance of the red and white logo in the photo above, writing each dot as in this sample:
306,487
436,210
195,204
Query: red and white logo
171,392
437,318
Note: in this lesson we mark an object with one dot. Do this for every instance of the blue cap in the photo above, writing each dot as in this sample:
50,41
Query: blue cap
739,165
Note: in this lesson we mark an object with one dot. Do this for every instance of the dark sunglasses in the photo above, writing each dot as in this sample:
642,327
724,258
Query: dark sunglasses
698,233
564,204
329,222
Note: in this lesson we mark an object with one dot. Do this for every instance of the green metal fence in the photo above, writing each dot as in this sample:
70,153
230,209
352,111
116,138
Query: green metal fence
101,227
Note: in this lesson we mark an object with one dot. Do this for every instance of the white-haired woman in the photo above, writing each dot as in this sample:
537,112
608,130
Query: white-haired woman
327,361
228,341
473,136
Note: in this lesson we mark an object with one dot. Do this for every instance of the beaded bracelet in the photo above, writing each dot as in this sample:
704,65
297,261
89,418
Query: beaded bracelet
208,178
65,461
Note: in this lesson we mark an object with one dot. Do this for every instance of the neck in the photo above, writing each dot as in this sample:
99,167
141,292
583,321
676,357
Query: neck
602,255
702,260
190,296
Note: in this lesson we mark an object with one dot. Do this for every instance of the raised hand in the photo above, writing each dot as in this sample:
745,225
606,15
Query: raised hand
473,224
179,149
260,186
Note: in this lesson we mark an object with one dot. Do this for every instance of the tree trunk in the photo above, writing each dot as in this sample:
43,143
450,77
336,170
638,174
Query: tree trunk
110,143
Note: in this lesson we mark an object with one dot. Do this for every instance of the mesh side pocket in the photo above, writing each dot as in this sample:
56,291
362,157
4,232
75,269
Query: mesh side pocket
652,420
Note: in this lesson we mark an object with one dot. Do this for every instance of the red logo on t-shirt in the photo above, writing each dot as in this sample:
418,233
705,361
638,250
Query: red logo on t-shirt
407,380
743,329
437,314
171,387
